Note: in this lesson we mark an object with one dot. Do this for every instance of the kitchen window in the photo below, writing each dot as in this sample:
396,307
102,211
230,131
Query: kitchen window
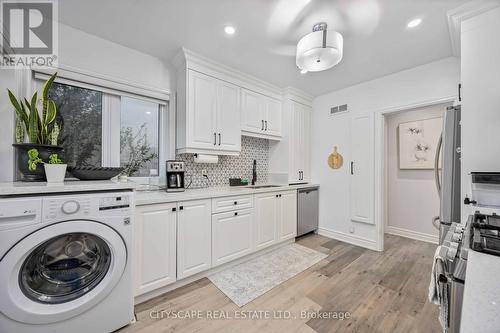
105,127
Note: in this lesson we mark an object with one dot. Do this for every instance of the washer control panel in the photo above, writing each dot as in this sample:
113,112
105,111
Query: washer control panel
86,205
114,202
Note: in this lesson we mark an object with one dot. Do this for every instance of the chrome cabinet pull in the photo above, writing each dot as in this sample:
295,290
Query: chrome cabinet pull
262,125
266,125
220,139
215,138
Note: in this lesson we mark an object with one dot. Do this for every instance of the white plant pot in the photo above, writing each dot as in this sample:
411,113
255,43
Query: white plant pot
55,172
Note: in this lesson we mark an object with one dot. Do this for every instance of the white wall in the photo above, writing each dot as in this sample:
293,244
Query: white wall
417,85
412,199
480,47
90,53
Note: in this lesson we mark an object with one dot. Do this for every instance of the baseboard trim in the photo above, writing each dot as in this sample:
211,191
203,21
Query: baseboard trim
411,234
180,283
347,238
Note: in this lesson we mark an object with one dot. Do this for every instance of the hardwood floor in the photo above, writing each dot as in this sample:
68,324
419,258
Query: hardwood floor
382,292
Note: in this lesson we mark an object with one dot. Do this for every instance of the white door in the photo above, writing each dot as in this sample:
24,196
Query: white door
362,169
228,117
194,230
155,246
273,120
287,203
231,235
201,111
266,215
253,111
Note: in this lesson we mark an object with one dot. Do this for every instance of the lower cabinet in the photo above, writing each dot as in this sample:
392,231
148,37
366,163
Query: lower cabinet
275,218
287,215
231,235
266,219
155,247
194,240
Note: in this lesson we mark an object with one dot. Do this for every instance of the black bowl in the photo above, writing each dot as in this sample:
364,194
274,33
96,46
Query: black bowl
94,173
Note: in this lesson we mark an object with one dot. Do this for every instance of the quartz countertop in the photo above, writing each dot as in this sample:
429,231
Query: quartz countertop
481,303
156,197
34,188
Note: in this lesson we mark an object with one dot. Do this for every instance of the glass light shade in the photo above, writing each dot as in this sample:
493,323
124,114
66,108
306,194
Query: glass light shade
313,56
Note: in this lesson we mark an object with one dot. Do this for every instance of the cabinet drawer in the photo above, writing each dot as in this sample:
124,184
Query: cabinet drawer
228,204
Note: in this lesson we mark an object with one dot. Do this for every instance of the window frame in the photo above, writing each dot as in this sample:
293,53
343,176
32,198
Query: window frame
111,114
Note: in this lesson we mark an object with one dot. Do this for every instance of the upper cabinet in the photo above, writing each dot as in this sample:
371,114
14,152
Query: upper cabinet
291,156
261,115
215,105
210,121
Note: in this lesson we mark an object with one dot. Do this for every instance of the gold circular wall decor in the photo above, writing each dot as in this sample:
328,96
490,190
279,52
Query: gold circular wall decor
335,160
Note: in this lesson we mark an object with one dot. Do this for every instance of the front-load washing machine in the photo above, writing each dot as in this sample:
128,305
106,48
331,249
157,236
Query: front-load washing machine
65,263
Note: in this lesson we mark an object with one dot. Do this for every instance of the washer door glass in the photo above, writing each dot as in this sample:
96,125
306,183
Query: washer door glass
64,268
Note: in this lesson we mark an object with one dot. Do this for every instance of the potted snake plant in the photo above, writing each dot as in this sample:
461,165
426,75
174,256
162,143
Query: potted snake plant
35,131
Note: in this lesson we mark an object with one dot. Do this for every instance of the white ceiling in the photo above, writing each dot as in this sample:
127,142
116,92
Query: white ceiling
376,39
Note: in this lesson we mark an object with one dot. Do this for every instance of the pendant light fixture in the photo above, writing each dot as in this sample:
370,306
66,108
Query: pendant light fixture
320,50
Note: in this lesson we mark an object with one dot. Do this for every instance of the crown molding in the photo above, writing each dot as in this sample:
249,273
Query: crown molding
464,12
298,95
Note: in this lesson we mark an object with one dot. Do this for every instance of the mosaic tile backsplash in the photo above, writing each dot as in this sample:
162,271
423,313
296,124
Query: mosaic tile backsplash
230,166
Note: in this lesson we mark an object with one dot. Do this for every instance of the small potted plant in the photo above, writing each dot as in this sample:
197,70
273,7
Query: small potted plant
55,170
35,130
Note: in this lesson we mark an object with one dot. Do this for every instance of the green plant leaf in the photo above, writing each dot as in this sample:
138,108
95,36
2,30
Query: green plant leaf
51,113
34,122
45,100
18,108
19,131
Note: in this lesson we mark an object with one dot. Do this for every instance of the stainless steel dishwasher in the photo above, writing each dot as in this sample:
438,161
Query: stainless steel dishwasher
307,210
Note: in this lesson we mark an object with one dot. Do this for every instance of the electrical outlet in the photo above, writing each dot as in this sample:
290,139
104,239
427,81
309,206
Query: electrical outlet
204,172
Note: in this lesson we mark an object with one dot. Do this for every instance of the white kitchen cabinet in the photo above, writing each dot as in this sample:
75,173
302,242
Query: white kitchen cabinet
266,220
261,115
231,235
227,204
299,141
362,169
155,247
287,215
194,241
209,112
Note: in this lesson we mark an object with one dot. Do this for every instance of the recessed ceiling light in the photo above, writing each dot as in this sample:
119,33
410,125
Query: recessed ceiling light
229,30
415,22
303,71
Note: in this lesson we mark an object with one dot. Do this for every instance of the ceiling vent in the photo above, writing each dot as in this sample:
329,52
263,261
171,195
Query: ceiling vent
338,109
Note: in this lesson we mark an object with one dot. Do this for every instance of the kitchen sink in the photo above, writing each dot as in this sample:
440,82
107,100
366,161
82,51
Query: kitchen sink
262,186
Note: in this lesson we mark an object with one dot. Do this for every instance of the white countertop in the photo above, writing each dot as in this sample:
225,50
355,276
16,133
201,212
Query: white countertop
155,197
481,305
24,188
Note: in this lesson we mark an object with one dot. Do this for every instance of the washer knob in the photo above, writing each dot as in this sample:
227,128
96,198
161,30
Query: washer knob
70,207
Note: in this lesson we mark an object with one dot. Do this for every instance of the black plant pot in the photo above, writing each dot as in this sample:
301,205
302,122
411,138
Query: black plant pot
22,160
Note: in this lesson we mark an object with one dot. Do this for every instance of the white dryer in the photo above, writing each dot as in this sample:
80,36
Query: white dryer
65,263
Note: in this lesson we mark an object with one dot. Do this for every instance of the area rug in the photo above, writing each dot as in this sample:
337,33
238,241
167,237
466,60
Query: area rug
247,281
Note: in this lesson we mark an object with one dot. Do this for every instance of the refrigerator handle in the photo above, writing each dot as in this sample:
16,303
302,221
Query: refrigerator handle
436,164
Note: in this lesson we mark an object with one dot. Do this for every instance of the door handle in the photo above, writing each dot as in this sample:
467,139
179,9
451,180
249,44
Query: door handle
220,139
262,125
215,138
181,208
174,209
352,168
266,125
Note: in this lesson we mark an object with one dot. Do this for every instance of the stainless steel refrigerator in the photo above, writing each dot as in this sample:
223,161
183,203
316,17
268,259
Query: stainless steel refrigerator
448,176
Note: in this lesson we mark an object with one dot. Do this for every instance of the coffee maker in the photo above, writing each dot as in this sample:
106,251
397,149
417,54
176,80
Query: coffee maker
175,176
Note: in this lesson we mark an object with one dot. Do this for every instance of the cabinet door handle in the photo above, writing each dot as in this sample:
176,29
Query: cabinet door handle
235,213
236,202
215,138
459,92
266,125
181,208
174,209
262,125
220,139
352,168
